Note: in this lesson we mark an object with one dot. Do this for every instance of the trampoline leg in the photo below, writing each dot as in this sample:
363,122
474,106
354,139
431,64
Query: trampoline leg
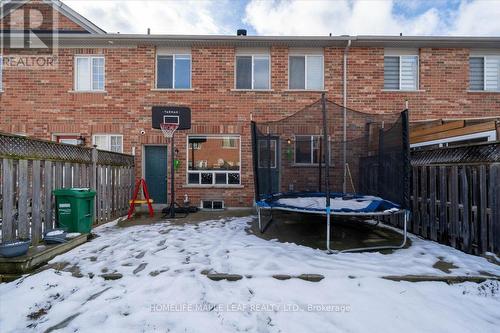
260,223
262,229
328,233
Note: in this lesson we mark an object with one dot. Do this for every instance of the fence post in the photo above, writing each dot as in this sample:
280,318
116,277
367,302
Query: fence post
93,178
8,200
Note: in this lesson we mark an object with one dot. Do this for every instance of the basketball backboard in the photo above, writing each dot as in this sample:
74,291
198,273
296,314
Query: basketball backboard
180,115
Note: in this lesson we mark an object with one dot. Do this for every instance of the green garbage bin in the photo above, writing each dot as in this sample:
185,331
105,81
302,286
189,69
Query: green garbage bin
75,209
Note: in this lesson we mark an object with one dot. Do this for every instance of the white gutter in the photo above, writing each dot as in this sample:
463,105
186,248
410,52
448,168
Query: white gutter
346,52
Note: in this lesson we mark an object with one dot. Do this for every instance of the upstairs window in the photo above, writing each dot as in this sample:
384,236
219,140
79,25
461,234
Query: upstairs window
173,71
401,72
252,72
89,75
110,142
484,73
306,72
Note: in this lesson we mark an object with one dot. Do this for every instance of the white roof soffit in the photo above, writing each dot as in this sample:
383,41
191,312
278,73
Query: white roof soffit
102,40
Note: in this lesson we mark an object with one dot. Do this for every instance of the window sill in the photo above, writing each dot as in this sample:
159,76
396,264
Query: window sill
307,165
172,90
403,91
305,90
87,91
253,90
484,91
213,186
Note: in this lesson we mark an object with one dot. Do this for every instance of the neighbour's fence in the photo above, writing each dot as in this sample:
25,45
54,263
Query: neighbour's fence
31,169
455,197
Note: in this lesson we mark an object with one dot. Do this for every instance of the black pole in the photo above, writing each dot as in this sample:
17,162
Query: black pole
406,157
255,161
269,178
326,150
320,165
172,175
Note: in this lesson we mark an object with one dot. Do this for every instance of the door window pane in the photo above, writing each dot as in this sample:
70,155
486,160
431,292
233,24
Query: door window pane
244,72
165,72
297,72
267,153
315,72
182,71
261,72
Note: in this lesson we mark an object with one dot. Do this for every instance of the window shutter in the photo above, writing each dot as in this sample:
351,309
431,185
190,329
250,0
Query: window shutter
409,72
391,73
492,73
476,73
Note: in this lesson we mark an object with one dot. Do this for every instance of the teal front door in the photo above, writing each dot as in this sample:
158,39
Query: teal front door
155,165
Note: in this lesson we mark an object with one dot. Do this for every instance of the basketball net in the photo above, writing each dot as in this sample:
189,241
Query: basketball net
168,130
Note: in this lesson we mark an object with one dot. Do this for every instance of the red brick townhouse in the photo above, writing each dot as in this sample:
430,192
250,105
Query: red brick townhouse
102,87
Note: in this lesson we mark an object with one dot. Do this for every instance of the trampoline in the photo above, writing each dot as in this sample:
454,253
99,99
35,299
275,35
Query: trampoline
333,161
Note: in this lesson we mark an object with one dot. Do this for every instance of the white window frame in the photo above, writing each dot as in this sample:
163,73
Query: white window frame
90,57
295,163
489,135
252,74
417,86
174,55
485,56
213,172
108,141
306,55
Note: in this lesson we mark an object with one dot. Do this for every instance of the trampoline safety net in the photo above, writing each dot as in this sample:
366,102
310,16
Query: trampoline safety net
369,156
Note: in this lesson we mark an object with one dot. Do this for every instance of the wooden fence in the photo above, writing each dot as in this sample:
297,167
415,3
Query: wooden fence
31,169
455,197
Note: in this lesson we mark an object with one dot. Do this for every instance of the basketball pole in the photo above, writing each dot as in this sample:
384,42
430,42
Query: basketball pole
172,176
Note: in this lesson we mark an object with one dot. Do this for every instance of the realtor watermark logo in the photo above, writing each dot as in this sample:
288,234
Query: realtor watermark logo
29,35
248,307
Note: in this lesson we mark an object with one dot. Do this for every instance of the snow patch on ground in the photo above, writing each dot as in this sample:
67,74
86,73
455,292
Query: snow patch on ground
162,267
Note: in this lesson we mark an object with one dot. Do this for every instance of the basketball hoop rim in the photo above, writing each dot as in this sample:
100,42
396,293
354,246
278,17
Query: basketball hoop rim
168,129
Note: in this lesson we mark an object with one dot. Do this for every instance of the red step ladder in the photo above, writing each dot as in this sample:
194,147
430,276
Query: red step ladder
134,200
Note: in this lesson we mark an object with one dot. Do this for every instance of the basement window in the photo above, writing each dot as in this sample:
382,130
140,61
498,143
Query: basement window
213,160
89,73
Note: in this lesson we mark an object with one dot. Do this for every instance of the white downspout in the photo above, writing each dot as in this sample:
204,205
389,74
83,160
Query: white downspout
346,51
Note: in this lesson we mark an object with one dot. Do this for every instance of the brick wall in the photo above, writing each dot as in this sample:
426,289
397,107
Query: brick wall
42,102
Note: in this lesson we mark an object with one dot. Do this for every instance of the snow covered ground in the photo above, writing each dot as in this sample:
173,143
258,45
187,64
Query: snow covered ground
163,288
